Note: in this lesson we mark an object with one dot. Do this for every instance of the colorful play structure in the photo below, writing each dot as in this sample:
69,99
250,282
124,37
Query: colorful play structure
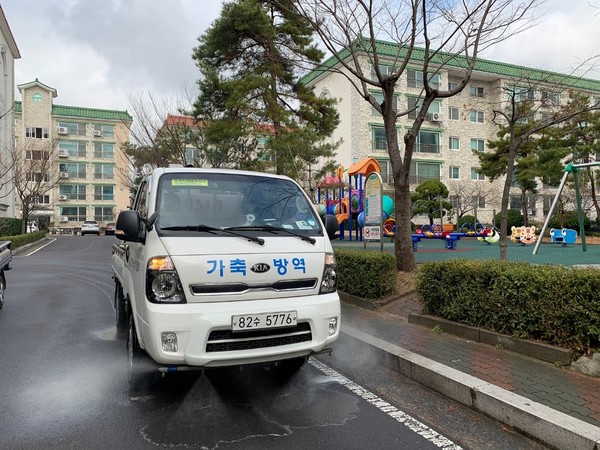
345,199
563,236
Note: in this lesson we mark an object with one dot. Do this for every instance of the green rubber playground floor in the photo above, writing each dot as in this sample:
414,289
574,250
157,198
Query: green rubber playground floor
470,248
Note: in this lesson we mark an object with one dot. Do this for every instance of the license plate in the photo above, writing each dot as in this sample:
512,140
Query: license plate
244,322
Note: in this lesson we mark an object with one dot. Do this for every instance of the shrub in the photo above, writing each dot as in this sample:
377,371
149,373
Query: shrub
370,275
570,219
514,219
10,226
466,219
555,304
23,239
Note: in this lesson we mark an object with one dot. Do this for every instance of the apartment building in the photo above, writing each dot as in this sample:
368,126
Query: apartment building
455,127
8,53
87,170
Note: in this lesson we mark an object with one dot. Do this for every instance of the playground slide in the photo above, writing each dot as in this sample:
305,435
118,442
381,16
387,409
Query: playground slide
342,217
344,211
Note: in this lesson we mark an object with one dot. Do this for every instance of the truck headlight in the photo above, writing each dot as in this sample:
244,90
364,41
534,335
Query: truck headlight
329,280
162,281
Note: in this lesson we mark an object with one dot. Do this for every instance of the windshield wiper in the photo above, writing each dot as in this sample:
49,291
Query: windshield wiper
213,230
272,229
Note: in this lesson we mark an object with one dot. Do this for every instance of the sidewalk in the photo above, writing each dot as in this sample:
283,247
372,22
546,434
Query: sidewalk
557,406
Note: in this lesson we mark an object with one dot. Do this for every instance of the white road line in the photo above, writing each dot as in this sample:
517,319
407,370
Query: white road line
410,422
39,248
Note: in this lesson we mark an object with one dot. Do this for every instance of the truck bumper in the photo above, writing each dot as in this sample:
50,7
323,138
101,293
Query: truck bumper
204,336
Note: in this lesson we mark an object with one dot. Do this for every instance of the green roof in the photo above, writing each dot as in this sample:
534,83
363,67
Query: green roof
84,113
504,70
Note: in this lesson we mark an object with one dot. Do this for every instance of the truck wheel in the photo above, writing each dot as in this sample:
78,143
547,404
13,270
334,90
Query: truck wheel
120,316
139,365
2,288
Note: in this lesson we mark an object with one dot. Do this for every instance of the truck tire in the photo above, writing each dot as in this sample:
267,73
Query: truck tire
120,315
2,289
140,373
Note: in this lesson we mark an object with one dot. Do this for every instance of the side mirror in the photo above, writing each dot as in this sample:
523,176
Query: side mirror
130,227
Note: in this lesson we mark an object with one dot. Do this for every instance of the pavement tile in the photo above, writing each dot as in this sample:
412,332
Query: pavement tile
561,389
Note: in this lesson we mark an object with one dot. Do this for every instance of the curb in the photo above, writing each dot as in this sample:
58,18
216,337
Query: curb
24,248
538,350
534,349
550,427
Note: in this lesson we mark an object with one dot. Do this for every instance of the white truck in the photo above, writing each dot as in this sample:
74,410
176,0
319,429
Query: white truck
222,267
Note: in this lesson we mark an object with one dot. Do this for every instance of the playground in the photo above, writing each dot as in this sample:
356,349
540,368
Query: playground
470,248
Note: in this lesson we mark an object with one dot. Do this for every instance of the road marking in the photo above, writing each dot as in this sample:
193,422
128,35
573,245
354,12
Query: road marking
39,248
410,422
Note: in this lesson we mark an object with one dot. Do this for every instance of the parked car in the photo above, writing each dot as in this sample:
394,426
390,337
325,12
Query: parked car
90,227
32,227
110,229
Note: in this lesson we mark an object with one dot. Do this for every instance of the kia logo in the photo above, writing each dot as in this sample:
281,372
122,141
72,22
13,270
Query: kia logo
260,268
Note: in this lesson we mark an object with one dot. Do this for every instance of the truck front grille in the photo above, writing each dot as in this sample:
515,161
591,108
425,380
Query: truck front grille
228,341
238,288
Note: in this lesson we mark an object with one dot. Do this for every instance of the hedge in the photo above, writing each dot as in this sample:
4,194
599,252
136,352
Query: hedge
369,275
23,239
554,304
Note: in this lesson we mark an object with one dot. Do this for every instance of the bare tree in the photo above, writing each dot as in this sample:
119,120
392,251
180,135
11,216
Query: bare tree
465,197
34,175
430,34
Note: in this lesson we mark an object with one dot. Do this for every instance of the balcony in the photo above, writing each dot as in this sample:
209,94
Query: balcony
427,148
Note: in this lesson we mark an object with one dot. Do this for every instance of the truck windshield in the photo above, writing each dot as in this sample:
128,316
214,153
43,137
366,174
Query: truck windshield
230,200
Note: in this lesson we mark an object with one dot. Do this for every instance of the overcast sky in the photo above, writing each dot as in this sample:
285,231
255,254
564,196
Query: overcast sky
100,53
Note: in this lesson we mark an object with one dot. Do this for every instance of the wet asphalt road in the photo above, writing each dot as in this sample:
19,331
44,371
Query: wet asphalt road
63,382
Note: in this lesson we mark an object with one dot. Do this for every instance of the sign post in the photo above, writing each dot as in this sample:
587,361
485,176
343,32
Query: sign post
373,208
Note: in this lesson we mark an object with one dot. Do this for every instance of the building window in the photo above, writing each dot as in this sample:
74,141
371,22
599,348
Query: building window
453,113
379,99
477,116
103,213
36,133
520,93
73,213
428,142
72,128
37,155
37,177
72,191
378,139
415,79
478,145
476,175
103,171
386,71
386,170
39,199
414,106
104,131
453,143
73,149
423,171
37,97
104,150
104,193
454,173
478,201
72,170
550,98
476,91
452,85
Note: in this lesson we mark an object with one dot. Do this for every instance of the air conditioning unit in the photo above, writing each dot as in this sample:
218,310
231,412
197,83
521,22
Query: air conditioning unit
64,219
437,117
63,197
98,133
63,153
64,174
63,130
